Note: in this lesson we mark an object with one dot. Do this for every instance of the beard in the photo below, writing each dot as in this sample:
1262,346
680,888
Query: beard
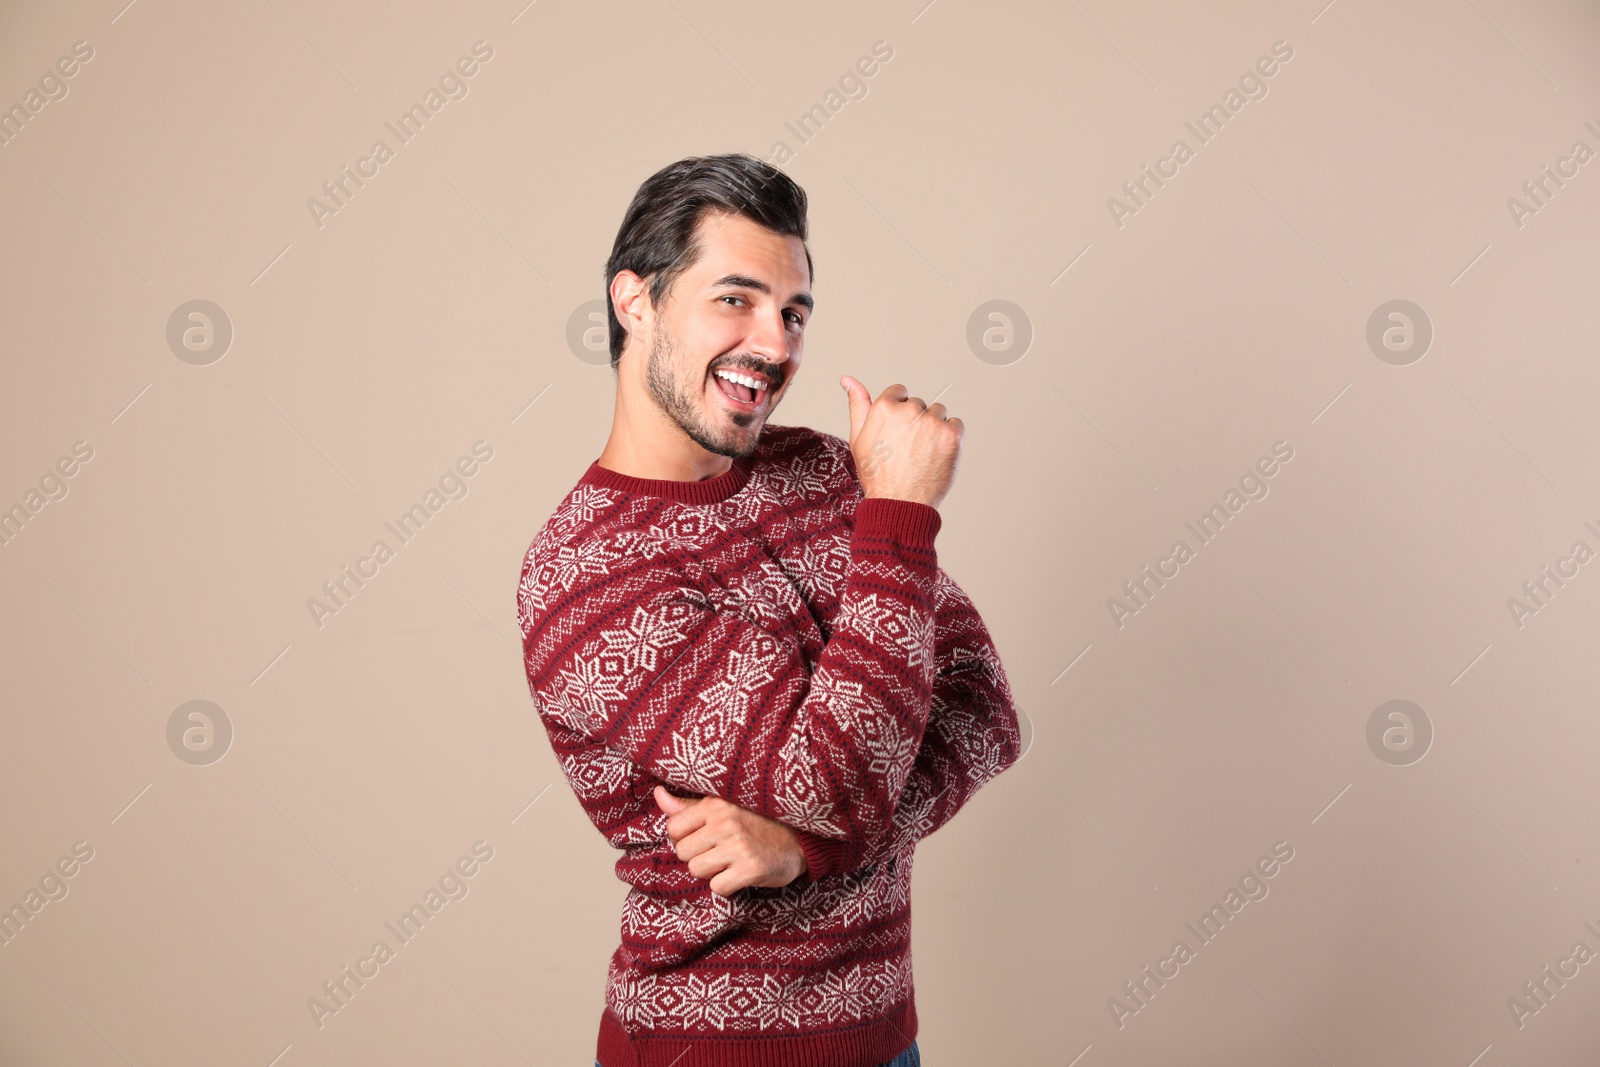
665,377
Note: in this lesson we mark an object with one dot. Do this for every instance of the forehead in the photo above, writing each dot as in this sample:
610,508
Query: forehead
733,243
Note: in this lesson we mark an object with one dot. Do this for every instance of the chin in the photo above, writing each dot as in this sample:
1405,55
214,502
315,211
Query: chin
738,444
743,444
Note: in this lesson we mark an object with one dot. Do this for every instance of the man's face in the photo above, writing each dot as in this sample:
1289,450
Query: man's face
740,308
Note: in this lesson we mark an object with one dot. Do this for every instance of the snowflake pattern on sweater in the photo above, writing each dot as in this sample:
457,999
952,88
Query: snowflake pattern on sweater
771,637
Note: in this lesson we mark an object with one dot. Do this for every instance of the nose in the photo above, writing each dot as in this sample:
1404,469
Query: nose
769,342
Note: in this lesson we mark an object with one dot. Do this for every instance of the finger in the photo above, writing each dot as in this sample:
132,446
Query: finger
916,402
686,821
961,427
860,401
937,410
692,845
894,392
667,802
729,882
708,864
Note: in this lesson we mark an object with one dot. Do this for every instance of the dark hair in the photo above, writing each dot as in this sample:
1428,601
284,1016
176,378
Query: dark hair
657,236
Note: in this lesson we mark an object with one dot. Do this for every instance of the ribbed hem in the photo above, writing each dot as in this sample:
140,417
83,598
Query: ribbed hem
706,491
910,521
868,1045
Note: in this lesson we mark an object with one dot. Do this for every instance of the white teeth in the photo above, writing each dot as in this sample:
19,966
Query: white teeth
743,379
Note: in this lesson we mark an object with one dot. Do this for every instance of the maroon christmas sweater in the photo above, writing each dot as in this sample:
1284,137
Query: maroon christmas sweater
771,637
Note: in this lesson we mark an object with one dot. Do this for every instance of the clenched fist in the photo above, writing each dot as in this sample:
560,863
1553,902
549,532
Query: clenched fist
730,846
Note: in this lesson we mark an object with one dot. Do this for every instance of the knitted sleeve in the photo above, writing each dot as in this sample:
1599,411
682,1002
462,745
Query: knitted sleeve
636,656
972,735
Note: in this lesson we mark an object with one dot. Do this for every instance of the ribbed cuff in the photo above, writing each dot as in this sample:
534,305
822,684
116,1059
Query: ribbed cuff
908,521
824,855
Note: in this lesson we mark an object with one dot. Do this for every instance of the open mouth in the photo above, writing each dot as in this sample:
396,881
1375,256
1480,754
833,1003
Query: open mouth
747,392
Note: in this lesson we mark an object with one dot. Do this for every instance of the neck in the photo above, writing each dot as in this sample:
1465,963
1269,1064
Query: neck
647,444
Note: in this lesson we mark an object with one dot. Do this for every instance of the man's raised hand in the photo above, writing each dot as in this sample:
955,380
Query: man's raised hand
904,449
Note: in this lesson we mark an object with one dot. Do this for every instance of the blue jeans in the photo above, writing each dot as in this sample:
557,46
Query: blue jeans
909,1058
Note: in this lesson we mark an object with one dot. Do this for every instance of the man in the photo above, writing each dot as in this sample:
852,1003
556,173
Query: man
756,677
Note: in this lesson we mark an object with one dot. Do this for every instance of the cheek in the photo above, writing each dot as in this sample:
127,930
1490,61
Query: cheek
706,340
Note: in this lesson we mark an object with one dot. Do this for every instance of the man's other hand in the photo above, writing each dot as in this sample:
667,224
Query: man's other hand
730,846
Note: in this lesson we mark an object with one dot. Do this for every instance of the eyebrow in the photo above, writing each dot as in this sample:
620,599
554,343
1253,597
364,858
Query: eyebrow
744,281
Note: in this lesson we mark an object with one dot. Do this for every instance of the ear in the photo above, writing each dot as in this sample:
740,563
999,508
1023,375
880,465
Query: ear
630,299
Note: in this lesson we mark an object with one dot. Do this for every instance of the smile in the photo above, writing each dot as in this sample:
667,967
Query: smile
746,392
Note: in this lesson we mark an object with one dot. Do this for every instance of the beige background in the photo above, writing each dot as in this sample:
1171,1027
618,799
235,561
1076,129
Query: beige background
1228,314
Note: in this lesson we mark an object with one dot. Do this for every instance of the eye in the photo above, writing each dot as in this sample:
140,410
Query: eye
794,317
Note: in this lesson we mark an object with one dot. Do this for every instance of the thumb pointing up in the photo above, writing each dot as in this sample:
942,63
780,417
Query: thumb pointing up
860,403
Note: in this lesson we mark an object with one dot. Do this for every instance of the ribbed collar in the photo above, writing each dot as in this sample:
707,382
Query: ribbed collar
707,491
